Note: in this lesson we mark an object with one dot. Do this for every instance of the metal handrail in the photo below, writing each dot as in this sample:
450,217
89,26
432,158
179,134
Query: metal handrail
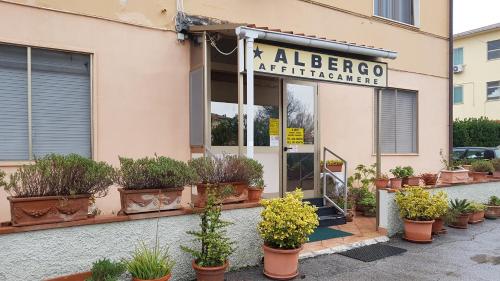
327,172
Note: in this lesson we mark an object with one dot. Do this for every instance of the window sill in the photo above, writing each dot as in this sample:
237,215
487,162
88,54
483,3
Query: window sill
397,154
396,23
15,164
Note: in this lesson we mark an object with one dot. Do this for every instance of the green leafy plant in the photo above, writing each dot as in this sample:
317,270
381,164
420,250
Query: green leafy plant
417,204
107,270
363,176
59,175
258,184
494,201
476,132
475,207
216,247
339,200
157,172
150,264
496,164
287,222
483,166
383,177
357,194
255,172
459,206
402,172
223,169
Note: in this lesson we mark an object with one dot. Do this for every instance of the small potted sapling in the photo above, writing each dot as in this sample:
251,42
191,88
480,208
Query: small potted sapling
332,165
458,213
493,208
382,181
56,188
399,173
255,174
150,264
481,169
452,171
152,184
476,211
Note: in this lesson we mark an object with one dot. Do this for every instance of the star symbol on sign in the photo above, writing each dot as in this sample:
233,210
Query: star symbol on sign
257,53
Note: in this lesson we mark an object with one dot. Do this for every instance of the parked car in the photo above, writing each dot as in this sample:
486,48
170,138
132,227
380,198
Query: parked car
476,153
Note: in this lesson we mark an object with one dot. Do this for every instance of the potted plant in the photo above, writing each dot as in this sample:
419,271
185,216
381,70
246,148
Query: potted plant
332,165
227,172
429,179
399,173
382,181
339,200
56,188
439,203
458,213
211,261
452,172
493,208
496,166
481,169
476,211
152,184
150,264
418,209
107,270
357,194
369,205
285,226
363,177
255,174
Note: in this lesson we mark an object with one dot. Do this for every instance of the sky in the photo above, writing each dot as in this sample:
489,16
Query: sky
471,14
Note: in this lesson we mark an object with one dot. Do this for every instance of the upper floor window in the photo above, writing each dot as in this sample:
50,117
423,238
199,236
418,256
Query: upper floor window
398,10
45,103
493,90
458,56
458,94
494,50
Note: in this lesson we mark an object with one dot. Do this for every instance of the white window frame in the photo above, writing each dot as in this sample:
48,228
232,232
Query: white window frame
494,50
416,15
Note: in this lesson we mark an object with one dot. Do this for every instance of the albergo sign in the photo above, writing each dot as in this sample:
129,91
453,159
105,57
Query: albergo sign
304,64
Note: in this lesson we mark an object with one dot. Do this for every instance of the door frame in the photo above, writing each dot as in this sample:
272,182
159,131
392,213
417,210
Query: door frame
316,192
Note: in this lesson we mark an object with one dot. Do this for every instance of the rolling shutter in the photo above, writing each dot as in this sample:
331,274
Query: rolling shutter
60,103
14,139
388,122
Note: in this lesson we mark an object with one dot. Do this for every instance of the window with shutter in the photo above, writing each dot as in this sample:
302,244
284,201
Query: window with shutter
398,121
399,10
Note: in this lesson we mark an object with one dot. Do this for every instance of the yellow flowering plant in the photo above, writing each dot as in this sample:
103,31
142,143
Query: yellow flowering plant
418,204
287,222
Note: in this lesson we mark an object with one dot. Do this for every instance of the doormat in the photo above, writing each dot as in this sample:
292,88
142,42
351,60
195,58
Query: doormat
325,233
373,252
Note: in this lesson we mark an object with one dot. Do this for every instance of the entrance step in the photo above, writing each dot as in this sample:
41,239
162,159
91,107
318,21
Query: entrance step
328,215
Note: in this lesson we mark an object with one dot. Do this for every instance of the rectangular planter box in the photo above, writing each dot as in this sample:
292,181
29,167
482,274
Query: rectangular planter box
492,212
135,201
49,209
459,176
240,194
73,277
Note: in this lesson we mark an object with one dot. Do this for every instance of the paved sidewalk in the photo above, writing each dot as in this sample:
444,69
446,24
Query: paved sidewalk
472,254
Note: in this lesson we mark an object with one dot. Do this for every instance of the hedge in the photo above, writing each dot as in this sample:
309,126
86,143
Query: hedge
476,132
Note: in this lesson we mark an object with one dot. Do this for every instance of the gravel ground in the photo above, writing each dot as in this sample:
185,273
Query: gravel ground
472,254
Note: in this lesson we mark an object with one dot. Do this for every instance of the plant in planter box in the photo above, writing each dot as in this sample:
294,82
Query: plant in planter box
458,213
382,181
481,169
152,184
225,171
107,270
496,166
255,174
210,262
403,176
493,208
332,165
452,172
150,264
476,211
56,188
429,179
419,209
285,226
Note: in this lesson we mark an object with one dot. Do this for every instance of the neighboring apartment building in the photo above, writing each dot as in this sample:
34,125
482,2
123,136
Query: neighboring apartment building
476,60
111,78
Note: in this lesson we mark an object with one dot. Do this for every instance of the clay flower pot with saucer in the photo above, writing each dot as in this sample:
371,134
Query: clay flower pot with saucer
481,169
382,182
493,208
438,226
255,190
396,183
459,213
476,211
210,273
285,226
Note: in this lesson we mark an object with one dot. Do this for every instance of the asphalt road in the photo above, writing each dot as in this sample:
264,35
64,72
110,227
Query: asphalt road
472,254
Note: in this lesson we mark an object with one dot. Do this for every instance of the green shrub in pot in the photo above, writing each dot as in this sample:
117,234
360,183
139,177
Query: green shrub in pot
482,166
107,270
402,172
150,264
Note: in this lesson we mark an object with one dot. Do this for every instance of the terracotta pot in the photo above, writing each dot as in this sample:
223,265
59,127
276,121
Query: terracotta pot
418,231
381,183
254,194
461,221
480,176
48,209
430,179
240,193
281,264
73,277
438,226
164,278
396,183
496,174
150,200
209,273
492,212
476,217
459,176
411,181
335,168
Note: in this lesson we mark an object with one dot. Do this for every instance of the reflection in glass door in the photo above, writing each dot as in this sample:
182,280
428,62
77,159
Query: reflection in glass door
300,131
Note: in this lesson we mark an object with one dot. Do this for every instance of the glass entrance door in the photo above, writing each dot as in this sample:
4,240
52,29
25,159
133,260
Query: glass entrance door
300,157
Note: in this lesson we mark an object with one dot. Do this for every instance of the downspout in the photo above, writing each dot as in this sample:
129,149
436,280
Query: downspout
450,83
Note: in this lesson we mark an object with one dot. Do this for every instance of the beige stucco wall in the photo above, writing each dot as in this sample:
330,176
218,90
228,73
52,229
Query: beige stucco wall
139,74
478,70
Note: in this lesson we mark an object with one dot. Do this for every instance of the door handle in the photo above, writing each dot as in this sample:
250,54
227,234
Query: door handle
286,148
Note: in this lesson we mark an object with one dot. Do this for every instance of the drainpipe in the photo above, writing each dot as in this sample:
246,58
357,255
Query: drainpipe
249,38
450,84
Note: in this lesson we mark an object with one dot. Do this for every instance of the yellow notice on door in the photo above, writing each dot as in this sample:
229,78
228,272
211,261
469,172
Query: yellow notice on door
274,127
295,135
